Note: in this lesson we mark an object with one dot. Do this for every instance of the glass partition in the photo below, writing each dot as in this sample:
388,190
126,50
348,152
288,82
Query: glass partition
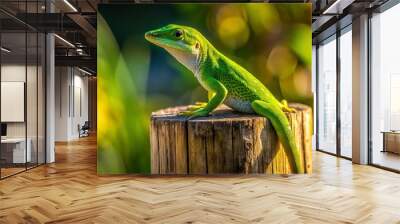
14,153
22,93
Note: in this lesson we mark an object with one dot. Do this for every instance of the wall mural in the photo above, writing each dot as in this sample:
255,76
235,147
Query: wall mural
204,88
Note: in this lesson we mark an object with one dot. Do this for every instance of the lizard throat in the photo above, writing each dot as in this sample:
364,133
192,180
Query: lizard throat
188,59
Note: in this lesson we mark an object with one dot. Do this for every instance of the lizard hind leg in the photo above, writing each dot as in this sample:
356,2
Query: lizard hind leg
279,121
285,107
196,106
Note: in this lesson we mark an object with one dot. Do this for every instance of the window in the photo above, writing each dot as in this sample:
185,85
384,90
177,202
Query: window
327,96
385,89
346,92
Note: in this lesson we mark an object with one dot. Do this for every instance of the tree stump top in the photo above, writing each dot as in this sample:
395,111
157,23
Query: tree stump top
226,141
222,113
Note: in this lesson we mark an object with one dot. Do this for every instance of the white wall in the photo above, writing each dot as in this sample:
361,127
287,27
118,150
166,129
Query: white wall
80,110
71,102
13,72
16,73
10,73
61,103
13,101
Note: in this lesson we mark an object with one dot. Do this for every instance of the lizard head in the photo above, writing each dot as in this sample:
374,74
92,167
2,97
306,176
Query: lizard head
182,42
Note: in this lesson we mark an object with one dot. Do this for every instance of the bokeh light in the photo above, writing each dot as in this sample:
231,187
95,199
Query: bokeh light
281,62
263,18
232,26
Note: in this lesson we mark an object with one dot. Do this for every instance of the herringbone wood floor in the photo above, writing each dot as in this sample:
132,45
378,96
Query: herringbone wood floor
69,191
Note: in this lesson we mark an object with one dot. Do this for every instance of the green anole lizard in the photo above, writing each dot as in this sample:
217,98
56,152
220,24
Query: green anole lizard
226,82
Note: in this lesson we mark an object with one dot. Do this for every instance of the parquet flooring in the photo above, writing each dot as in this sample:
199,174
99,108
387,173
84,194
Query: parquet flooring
11,170
69,191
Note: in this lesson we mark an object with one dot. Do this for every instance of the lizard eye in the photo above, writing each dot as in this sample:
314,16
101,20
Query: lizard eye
178,33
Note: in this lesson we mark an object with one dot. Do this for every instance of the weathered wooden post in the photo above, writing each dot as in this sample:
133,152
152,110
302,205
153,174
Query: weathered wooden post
225,142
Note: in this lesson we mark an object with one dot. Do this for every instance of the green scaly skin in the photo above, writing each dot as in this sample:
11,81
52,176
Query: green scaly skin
226,82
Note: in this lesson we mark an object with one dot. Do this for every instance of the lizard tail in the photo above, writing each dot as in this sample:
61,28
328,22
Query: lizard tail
281,125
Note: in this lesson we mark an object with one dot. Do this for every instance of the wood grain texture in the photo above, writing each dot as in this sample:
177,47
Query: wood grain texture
70,191
225,142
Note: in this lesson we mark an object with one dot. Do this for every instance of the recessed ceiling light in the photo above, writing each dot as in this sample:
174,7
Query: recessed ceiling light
84,71
70,5
64,40
5,50
337,7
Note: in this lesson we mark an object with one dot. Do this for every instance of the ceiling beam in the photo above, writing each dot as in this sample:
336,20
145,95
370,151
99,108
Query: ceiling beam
86,27
320,22
49,22
81,61
337,7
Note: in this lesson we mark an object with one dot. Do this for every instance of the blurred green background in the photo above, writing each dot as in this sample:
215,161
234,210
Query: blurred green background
272,41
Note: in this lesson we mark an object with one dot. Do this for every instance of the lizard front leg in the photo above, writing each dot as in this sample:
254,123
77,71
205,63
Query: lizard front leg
199,105
285,107
218,95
